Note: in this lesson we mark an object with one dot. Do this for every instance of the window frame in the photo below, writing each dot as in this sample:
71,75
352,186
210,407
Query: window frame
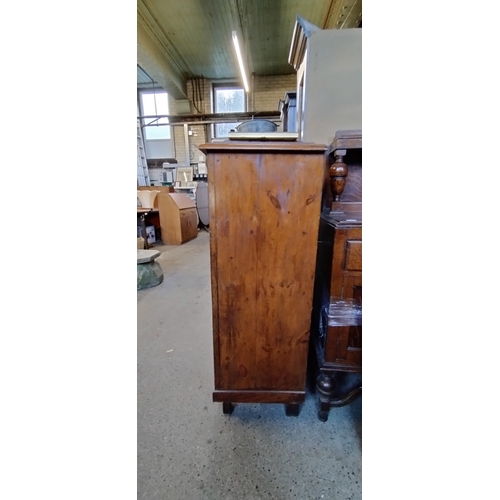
226,86
153,90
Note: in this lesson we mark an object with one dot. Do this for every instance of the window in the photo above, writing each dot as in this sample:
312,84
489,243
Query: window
228,99
155,102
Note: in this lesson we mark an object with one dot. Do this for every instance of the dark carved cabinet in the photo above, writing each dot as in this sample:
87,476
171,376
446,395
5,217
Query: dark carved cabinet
337,347
265,203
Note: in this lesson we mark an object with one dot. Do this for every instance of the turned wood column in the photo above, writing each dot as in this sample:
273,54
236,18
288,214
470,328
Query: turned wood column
338,174
326,387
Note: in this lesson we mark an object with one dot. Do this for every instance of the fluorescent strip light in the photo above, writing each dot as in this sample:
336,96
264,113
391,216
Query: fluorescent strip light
240,61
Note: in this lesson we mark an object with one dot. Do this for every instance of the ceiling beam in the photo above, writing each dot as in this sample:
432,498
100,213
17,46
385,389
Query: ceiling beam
343,14
152,59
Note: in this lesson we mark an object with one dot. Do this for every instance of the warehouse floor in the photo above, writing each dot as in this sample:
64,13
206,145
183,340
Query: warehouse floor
187,448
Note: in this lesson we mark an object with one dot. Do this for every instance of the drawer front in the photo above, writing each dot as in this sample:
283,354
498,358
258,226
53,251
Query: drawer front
353,256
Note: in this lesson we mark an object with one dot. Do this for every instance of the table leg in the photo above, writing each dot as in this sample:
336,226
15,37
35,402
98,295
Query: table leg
143,230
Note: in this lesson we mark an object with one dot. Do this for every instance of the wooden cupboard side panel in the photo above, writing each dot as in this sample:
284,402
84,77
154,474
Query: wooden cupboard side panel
169,220
212,204
234,227
289,197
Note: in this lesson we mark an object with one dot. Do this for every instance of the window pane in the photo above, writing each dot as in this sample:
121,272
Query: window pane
227,100
161,132
155,104
221,129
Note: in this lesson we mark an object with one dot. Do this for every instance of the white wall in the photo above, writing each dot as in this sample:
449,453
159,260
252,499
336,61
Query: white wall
159,148
333,85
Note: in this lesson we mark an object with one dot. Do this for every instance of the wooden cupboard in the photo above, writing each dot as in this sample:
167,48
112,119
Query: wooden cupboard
178,218
338,348
265,203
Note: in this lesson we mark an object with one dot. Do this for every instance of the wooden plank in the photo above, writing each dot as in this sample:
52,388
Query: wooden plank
289,195
259,146
259,396
213,214
169,220
235,227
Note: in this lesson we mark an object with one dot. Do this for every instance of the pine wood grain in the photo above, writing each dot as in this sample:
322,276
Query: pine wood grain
264,202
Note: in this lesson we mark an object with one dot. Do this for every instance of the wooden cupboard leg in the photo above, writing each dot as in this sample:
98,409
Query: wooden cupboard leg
292,410
227,408
326,388
324,410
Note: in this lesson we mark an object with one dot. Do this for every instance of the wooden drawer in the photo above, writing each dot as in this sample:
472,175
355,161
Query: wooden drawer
353,256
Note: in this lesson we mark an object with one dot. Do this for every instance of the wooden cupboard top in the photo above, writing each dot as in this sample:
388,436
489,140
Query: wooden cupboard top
346,139
264,146
180,199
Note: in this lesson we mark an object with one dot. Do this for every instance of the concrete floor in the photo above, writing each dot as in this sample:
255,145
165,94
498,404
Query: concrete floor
187,448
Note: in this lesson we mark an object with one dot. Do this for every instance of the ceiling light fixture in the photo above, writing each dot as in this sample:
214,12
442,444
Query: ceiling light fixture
240,61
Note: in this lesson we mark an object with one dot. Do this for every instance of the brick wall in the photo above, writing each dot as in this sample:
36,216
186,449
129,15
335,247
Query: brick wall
264,95
200,94
267,90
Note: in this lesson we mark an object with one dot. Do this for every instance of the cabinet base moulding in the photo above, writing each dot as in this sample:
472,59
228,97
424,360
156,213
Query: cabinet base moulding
259,396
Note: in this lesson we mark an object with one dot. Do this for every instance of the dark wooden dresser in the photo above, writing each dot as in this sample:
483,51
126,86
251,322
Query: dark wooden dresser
338,271
264,203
